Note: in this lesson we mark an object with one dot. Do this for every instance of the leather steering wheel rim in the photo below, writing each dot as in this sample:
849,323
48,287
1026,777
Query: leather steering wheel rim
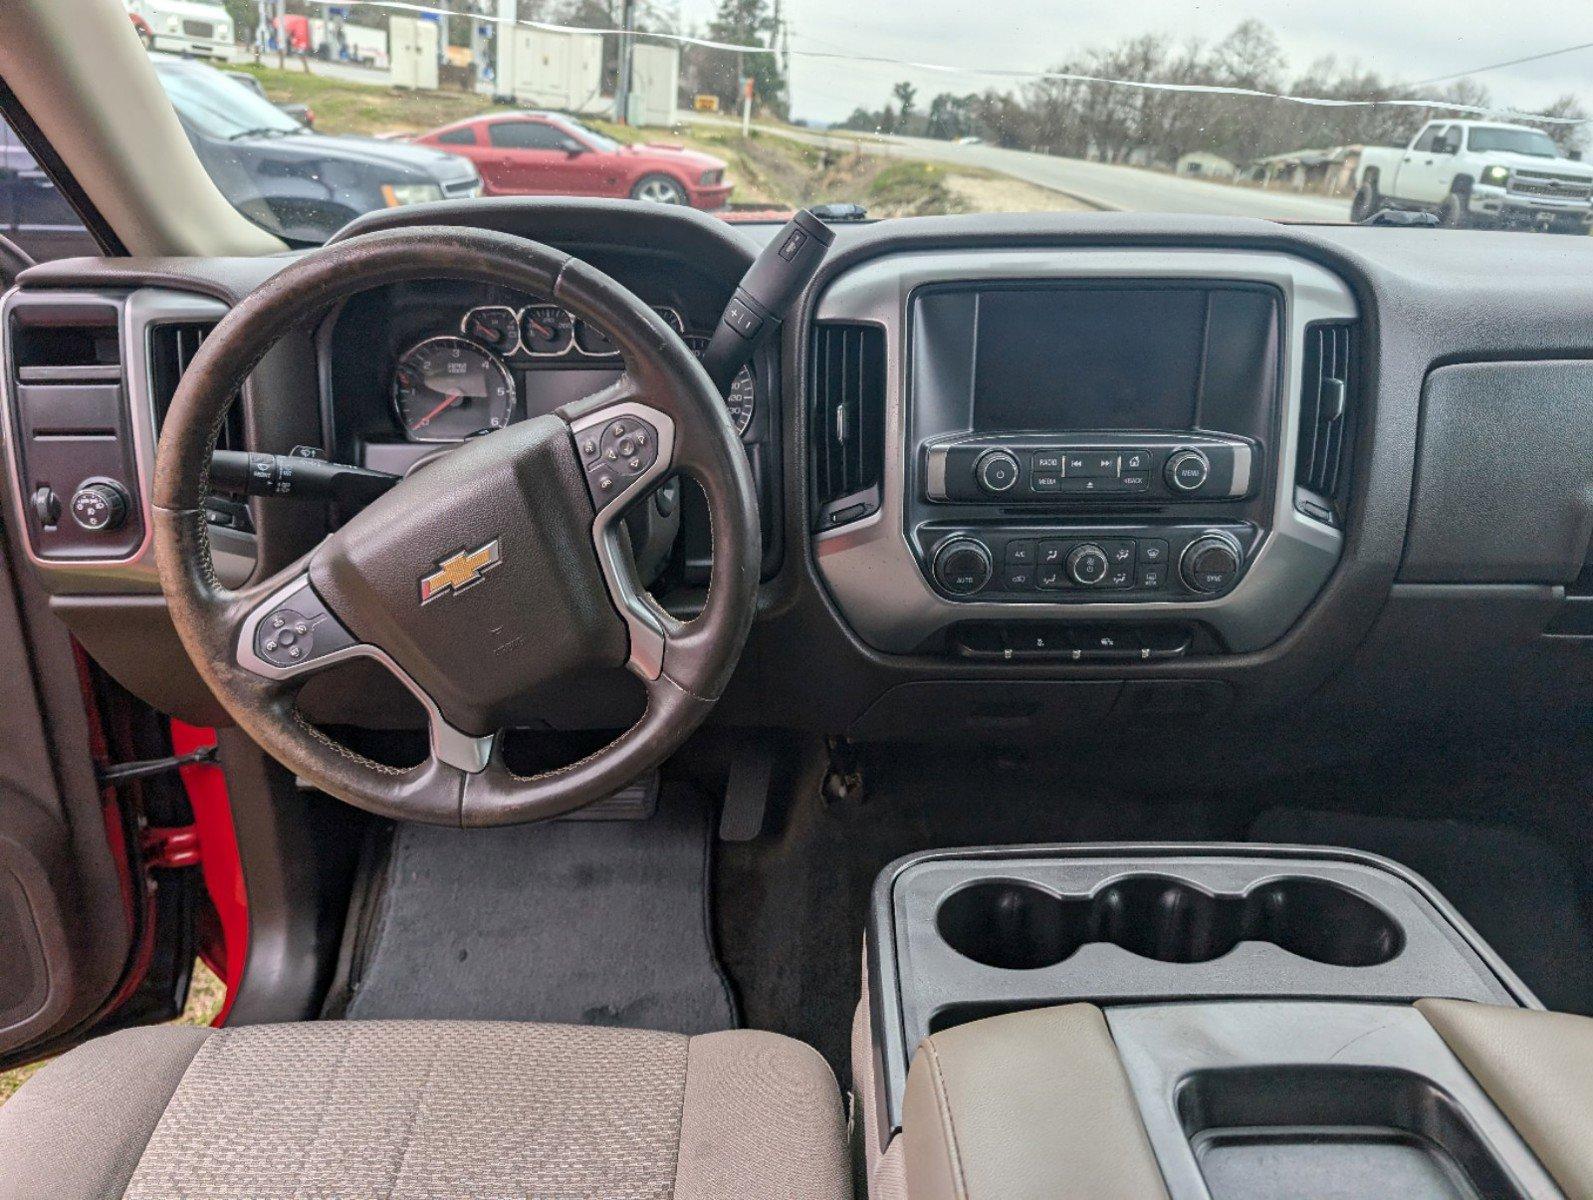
355,594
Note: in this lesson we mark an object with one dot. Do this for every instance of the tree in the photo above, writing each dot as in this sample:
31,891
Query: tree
905,94
950,116
746,23
1079,109
1570,138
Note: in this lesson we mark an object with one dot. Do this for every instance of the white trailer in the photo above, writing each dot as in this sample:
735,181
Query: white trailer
541,68
655,84
412,46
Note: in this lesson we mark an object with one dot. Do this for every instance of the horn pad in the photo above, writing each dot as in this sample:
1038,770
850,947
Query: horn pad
478,576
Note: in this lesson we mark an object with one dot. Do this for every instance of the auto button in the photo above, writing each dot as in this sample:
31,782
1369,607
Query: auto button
963,566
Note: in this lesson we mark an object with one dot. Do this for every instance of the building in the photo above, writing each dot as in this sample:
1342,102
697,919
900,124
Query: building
1330,172
1207,165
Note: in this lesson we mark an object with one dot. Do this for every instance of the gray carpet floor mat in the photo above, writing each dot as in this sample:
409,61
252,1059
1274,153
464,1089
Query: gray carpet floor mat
1514,887
586,922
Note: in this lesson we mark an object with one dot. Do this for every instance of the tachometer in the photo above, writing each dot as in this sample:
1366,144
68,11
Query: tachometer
446,389
742,401
546,330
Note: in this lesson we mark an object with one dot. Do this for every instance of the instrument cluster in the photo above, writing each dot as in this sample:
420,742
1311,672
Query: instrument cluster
507,363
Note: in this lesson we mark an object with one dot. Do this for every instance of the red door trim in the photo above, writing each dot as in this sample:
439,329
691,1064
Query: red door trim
219,861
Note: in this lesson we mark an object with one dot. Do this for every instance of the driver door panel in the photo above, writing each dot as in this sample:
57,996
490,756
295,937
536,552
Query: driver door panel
67,922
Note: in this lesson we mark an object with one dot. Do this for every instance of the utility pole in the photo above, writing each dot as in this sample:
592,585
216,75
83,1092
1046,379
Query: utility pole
622,83
504,74
282,35
781,51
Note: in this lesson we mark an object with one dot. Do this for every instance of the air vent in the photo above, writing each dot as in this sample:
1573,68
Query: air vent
66,343
171,348
1326,416
846,428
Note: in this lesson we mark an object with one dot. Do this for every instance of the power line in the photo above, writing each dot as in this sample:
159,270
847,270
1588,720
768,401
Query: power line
1207,89
1513,62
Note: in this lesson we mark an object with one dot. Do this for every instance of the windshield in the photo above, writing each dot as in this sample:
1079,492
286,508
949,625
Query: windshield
1485,138
219,106
749,109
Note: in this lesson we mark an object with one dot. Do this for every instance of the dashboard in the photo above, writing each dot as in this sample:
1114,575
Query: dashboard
1020,478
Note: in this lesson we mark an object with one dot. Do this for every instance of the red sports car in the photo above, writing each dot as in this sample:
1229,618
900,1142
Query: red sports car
541,154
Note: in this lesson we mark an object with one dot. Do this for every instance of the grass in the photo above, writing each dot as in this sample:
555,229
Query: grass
205,996
343,107
913,185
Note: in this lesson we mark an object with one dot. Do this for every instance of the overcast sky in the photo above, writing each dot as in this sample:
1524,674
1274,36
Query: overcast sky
1413,39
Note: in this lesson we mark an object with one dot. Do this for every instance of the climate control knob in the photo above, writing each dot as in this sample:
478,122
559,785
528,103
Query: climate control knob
963,566
997,472
1211,563
1187,471
1087,565
99,507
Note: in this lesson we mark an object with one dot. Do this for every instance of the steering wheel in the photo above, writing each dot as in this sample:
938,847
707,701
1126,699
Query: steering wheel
497,568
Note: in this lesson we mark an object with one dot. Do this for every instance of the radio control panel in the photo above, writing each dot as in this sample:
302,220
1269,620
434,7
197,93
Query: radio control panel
1091,468
1133,563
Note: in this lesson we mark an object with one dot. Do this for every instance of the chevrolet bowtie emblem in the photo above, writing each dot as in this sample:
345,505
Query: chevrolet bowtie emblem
460,571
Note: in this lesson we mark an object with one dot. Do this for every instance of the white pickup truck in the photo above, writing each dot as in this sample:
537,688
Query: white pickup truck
1478,173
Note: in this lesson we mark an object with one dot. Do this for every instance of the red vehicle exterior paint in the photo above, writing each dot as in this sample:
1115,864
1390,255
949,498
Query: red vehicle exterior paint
225,947
545,154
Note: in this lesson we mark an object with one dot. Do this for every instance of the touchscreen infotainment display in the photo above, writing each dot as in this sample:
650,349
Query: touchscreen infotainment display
1083,358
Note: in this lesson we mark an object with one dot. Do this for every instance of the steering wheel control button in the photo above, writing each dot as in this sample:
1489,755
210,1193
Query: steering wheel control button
99,507
1188,471
963,566
299,631
624,448
1088,565
997,472
1211,563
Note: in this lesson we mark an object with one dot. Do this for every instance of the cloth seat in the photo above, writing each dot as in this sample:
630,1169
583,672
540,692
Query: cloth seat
427,1110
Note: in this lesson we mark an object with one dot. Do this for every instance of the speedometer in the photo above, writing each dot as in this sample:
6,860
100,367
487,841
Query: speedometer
446,389
742,401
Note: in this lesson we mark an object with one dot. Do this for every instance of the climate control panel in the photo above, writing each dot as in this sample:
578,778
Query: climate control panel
1057,564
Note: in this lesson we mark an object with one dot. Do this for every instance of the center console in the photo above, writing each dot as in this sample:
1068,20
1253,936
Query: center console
1243,1014
1073,441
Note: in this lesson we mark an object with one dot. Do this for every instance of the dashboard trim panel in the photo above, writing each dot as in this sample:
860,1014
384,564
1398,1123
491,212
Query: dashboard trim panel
869,567
141,309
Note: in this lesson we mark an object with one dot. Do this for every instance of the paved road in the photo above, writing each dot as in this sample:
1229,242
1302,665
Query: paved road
1129,189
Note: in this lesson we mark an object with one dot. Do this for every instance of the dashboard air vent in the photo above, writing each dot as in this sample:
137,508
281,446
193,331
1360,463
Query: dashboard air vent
846,423
171,348
1326,416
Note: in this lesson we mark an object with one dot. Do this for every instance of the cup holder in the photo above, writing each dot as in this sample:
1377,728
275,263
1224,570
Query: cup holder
1018,926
